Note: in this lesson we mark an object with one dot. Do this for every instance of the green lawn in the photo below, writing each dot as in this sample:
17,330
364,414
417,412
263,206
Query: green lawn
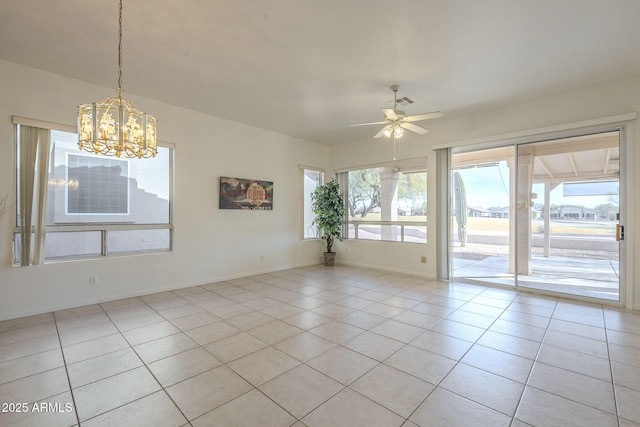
376,217
570,227
502,224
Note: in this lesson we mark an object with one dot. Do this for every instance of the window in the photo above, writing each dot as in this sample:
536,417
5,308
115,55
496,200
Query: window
311,179
96,185
387,202
90,205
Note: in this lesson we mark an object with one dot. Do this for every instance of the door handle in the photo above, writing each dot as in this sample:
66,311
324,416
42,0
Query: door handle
619,232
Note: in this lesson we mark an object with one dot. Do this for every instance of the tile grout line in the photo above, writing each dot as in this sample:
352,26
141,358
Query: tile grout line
256,388
66,369
318,284
535,360
289,370
348,386
578,373
223,363
456,364
305,364
162,388
613,386
459,361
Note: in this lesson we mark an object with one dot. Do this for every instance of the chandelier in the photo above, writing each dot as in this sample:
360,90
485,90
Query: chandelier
113,126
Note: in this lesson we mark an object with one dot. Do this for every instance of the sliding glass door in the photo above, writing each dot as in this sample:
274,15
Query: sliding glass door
569,209
480,223
541,215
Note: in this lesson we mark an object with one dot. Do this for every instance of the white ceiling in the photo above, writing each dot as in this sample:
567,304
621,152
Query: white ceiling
310,68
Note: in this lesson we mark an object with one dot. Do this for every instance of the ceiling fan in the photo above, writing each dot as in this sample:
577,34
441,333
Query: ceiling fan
396,121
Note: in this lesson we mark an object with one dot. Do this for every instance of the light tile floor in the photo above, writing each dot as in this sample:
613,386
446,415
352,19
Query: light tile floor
321,346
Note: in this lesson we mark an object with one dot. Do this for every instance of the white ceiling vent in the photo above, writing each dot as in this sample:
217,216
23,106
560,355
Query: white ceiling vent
405,101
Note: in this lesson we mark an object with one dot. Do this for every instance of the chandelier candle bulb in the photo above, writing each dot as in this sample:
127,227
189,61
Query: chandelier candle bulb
133,134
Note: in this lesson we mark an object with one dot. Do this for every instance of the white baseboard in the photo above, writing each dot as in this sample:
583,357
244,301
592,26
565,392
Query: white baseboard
141,292
391,270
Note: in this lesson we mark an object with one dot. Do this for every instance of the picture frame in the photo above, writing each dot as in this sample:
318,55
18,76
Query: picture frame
246,194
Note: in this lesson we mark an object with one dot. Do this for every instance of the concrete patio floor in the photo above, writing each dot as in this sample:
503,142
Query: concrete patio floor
594,278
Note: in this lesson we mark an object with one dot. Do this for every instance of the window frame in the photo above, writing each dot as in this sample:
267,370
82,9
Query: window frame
304,197
407,166
104,228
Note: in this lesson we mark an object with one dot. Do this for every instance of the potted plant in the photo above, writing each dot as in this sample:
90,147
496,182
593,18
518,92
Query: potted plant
328,206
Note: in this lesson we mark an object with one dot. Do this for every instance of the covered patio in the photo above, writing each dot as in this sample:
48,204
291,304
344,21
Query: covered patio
565,249
593,278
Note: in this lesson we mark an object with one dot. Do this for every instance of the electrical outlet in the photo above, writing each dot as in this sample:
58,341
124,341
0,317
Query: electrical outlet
93,280
423,259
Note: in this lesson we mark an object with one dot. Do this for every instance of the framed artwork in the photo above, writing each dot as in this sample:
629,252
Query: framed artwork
246,194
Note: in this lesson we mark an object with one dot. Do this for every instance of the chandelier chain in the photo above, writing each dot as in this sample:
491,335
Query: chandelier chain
120,51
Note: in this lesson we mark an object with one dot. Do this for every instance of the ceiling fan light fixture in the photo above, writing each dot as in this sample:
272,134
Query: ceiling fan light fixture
396,121
113,126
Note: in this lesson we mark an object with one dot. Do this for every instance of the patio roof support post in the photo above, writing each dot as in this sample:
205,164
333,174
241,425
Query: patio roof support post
548,188
389,201
512,164
547,219
523,209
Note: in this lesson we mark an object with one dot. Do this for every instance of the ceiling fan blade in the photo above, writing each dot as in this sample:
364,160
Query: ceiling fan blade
426,116
390,114
379,134
367,124
413,128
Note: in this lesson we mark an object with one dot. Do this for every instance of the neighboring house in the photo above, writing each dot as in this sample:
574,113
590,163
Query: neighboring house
577,213
499,212
478,212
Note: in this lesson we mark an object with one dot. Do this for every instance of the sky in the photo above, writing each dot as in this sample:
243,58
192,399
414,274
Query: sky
488,187
146,171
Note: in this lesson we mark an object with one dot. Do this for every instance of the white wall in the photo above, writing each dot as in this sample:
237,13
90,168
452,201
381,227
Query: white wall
212,244
596,102
209,244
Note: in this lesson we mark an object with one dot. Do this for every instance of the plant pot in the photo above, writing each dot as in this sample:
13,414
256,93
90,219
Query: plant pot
329,258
